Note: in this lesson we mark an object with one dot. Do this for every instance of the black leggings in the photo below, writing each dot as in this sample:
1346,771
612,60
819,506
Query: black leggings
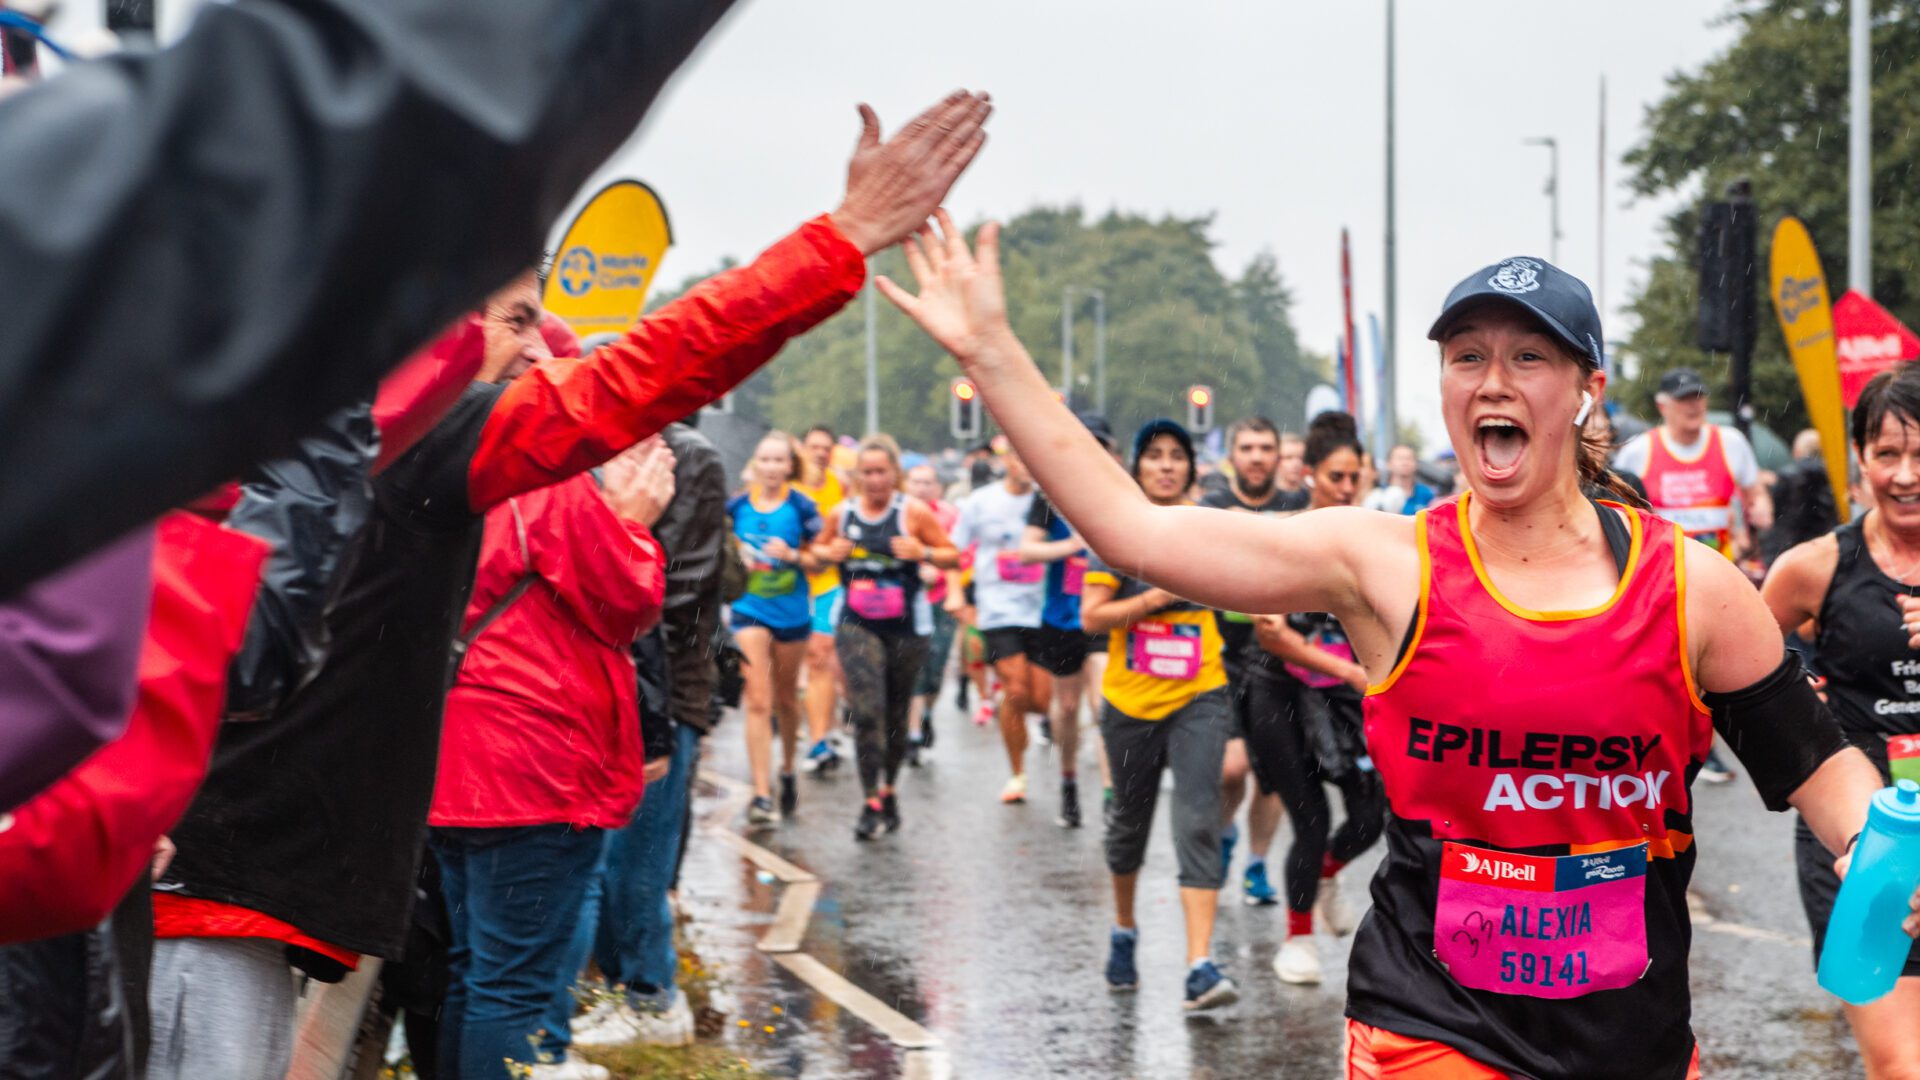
1285,764
881,670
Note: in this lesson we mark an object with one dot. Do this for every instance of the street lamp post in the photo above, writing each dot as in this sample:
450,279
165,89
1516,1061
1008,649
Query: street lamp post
1860,151
1553,193
1099,343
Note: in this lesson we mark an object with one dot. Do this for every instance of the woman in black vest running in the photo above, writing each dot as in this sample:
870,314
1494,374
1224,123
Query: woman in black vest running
1304,732
1857,585
880,537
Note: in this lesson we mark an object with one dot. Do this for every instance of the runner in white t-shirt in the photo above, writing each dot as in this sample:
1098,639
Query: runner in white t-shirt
1008,594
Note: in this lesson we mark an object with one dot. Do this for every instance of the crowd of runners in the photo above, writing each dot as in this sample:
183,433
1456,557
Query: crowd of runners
368,715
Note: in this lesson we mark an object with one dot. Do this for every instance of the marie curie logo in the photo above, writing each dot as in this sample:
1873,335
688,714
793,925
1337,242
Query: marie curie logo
1799,296
577,270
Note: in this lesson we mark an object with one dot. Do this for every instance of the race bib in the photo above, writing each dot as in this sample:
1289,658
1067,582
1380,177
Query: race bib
771,583
1015,572
1903,757
1341,649
878,600
1164,650
1074,578
1542,926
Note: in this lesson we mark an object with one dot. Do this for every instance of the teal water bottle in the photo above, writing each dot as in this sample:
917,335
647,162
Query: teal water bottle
1865,948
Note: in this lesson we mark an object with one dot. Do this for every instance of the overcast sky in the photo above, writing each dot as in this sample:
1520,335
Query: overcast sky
1268,115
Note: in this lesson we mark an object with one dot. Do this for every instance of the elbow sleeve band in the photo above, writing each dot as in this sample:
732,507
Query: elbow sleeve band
1780,730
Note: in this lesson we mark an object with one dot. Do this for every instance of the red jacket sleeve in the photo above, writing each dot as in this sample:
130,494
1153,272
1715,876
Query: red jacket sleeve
69,854
419,392
565,416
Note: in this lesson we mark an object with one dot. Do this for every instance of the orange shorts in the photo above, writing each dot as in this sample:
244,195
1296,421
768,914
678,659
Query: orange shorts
1378,1054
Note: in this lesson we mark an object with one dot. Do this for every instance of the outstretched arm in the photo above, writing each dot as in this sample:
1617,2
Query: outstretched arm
566,416
1252,563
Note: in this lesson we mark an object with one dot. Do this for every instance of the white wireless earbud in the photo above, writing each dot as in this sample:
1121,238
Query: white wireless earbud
1586,406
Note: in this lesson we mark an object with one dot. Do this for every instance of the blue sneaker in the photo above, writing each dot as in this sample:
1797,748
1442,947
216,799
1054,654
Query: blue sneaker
1209,988
1121,974
1229,836
823,757
1259,892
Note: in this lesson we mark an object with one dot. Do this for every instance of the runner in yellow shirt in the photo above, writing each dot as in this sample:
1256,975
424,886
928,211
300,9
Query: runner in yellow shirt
827,490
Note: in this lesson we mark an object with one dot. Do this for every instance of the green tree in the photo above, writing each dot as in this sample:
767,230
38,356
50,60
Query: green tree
1172,320
1773,109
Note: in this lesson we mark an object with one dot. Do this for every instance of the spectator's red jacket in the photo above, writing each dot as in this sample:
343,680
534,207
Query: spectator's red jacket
543,723
68,854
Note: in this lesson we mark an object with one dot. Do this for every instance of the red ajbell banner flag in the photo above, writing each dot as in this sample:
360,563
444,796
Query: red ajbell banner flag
1869,340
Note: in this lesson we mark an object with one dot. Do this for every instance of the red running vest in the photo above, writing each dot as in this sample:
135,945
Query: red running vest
1531,911
1519,728
1693,493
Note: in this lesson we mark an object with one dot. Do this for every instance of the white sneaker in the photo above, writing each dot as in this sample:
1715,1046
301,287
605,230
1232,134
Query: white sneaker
1332,909
1298,962
674,1027
1015,791
571,1069
619,1027
593,1017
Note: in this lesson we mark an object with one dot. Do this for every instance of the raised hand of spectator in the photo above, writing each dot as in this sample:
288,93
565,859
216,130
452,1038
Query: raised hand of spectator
894,186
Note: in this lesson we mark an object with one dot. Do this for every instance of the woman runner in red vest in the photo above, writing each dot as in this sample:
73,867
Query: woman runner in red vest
1546,673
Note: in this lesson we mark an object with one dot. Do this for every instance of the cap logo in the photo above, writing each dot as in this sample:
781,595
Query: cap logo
1516,276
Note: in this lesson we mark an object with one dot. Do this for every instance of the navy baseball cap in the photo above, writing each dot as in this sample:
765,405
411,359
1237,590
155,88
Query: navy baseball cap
1152,428
1682,382
1561,302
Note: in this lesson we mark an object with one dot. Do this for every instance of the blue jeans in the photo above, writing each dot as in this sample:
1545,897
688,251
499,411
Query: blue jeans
625,921
513,896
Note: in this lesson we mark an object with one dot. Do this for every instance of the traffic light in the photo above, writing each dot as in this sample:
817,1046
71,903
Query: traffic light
964,420
1199,409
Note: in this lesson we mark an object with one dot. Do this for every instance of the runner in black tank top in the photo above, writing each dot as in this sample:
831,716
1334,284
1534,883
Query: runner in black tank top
880,537
1854,584
1304,732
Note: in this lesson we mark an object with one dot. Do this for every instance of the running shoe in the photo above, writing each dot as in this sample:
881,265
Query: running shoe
1259,891
574,1068
913,751
1046,731
1121,974
1069,804
760,811
926,728
1016,790
1332,909
1298,962
890,810
873,820
1209,988
1229,836
984,715
789,795
822,758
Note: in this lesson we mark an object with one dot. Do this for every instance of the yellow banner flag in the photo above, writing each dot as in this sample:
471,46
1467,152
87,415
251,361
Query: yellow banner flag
606,261
1806,320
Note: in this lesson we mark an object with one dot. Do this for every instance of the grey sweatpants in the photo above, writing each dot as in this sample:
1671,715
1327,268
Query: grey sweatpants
222,1009
1192,741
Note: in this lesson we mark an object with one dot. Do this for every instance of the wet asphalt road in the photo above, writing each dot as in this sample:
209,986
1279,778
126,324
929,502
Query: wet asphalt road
987,924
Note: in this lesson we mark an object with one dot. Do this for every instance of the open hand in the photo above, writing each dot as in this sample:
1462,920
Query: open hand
962,302
892,186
